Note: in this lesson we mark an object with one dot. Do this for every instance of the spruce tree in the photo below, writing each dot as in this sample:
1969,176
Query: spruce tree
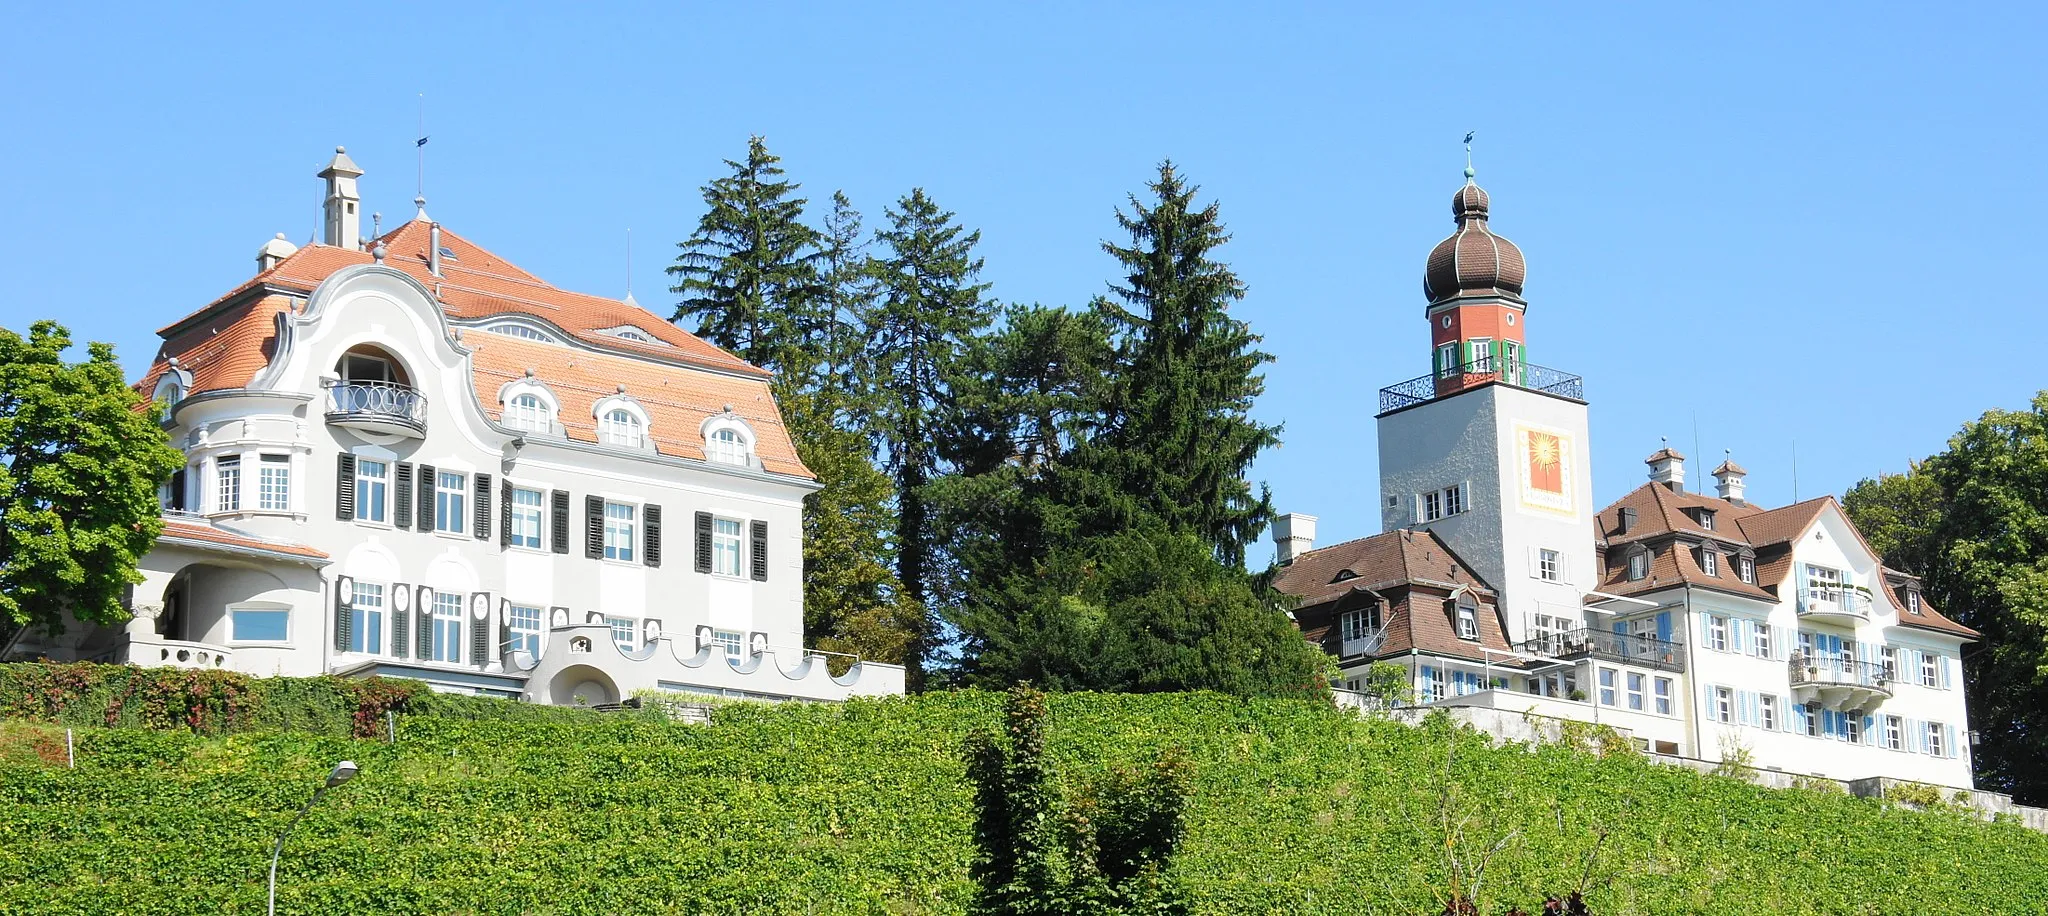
847,278
928,310
749,274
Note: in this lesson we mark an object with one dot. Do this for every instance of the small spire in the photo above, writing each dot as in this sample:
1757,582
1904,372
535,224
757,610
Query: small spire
421,203
1470,174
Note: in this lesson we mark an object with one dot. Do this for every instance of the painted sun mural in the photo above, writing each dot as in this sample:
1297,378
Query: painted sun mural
1546,465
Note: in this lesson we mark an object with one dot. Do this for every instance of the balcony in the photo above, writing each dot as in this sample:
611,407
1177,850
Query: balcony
1842,604
378,407
1573,645
1450,381
1838,683
1364,642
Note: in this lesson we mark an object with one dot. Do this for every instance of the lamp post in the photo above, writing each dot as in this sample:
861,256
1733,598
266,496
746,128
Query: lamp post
343,772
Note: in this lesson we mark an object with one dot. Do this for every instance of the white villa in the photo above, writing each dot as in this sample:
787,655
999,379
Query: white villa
406,456
1706,626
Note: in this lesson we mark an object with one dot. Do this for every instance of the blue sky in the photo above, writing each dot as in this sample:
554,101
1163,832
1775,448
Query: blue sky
1770,224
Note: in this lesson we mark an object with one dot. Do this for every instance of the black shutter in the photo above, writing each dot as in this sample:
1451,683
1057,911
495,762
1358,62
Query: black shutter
345,487
703,542
424,606
426,503
483,507
505,515
178,489
504,625
344,604
650,548
401,621
558,522
401,488
480,631
758,551
593,527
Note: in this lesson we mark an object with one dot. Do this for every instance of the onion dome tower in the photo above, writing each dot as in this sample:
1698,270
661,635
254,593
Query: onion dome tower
1474,286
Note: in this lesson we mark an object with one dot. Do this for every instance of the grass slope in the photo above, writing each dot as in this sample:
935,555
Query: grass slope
863,808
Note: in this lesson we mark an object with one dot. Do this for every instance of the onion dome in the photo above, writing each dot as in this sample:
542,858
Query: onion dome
1473,262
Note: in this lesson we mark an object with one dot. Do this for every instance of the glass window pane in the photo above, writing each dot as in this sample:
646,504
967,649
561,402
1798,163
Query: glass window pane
260,624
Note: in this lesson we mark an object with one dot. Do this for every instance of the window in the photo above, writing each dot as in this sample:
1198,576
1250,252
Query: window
274,483
448,627
1763,640
526,518
517,330
1432,505
1912,601
1813,720
1447,358
1894,733
1930,670
1548,567
229,470
1889,658
1825,583
1468,618
1724,705
524,622
618,426
730,640
1510,352
725,547
726,447
528,412
1638,565
451,491
1663,686
259,624
1358,624
635,335
1710,562
1852,728
1454,500
1635,691
622,632
1934,739
1717,633
366,618
618,531
1767,712
1745,568
1607,686
372,480
1482,354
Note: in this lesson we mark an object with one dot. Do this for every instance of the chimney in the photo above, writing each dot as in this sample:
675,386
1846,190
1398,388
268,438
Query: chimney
1294,534
344,222
434,249
1728,481
273,251
1668,468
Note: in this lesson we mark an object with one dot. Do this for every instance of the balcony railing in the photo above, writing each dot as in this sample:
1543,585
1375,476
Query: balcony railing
376,404
1647,651
1835,601
1835,671
1478,372
1364,642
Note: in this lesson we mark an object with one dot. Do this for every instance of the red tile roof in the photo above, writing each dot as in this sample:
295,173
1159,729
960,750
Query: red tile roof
183,529
1896,584
1415,573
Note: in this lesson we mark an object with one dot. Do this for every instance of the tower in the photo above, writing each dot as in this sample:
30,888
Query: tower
1489,450
344,206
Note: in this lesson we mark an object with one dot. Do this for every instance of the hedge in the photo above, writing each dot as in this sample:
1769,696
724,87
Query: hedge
864,808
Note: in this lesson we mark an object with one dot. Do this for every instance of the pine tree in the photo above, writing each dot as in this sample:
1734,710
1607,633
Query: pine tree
848,286
1178,433
749,274
928,310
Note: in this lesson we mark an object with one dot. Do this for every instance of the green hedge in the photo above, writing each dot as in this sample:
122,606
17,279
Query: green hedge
864,808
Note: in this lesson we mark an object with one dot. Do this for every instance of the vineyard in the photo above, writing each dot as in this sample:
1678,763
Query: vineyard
489,807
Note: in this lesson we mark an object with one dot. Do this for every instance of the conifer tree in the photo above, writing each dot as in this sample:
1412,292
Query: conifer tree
847,277
928,309
749,274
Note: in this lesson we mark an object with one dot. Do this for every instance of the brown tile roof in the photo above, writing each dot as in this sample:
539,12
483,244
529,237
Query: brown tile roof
1895,583
182,529
1415,572
226,343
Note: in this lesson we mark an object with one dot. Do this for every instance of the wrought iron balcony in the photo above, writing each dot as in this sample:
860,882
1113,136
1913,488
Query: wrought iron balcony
1452,380
1571,645
385,407
1842,602
1842,683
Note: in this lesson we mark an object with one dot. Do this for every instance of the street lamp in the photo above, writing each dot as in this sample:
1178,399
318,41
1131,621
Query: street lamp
343,772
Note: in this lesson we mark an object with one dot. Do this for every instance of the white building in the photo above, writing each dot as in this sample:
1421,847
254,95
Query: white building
1706,626
409,457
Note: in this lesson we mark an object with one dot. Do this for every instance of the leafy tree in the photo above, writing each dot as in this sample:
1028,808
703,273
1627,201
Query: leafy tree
1038,852
1973,522
852,601
928,309
81,458
749,274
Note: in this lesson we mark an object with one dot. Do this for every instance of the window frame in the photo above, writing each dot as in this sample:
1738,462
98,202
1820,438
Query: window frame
735,646
627,625
1717,632
1638,565
273,468
1724,706
609,428
1930,670
227,483
234,612
1432,505
366,620
521,634
1608,684
1764,647
1767,711
445,644
622,534
540,520
728,446
1894,733
1933,742
1549,565
1745,570
738,545
534,418
1636,689
380,484
1710,562
1661,695
452,504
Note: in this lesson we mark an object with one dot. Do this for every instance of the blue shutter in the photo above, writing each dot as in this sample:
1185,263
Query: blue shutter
1869,724
1799,718
1664,625
1948,740
1706,631
1944,672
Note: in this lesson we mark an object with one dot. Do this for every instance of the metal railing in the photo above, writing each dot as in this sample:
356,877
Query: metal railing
1647,651
1365,642
1822,670
1477,372
389,401
1840,599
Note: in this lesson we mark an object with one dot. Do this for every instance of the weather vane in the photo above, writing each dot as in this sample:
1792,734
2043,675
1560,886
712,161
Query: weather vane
1468,153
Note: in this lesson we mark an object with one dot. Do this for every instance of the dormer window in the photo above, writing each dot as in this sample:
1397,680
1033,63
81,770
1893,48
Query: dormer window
1628,520
1706,518
1710,562
1638,565
618,426
1745,569
1468,617
726,447
1913,601
527,412
1344,575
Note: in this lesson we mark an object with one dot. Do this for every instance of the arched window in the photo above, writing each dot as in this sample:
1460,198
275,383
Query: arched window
726,446
618,426
528,412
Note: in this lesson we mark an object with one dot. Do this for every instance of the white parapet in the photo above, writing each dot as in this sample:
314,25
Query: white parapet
582,664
